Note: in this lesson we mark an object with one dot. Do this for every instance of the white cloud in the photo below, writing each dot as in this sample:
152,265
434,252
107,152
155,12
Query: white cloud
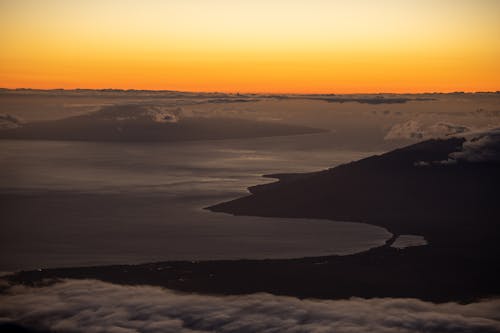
164,115
411,129
480,147
443,129
8,121
130,112
95,306
415,130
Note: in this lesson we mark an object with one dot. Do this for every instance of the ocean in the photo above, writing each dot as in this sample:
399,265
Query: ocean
97,203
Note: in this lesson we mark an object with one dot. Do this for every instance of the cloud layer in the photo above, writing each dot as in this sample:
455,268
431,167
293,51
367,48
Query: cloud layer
415,130
94,306
480,147
8,121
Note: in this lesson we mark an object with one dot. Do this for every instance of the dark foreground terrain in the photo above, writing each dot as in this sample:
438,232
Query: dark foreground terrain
414,190
428,273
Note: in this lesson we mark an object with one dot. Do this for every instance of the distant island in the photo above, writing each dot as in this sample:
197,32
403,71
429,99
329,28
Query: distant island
143,123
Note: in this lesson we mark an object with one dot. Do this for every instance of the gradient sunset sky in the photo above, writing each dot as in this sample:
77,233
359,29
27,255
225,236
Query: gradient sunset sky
312,46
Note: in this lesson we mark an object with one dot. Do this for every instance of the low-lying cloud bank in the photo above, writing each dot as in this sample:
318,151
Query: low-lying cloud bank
95,306
415,130
8,121
480,147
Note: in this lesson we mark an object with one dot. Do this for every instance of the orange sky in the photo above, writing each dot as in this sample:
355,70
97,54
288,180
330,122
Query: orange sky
343,46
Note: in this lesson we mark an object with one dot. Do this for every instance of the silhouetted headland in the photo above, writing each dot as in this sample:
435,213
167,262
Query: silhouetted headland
412,190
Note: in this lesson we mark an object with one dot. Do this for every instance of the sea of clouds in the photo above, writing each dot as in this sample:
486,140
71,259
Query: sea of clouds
95,306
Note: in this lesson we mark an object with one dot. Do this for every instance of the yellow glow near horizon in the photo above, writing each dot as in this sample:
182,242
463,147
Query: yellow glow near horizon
341,46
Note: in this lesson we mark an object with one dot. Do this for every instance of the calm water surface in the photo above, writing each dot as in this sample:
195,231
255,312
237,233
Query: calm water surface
84,203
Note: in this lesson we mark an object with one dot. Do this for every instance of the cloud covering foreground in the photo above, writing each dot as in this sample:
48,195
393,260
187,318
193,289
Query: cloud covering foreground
94,306
480,147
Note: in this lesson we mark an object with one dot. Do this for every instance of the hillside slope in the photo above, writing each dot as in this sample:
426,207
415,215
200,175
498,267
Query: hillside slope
414,190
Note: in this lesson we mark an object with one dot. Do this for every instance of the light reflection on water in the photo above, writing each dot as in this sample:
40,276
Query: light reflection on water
404,241
84,203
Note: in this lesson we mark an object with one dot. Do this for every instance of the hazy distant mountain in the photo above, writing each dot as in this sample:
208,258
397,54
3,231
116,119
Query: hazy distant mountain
436,188
145,123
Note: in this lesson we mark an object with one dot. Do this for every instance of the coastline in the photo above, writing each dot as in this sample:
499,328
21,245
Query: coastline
460,262
416,272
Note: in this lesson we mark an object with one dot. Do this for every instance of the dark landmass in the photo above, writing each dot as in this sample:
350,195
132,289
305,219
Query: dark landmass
445,202
454,206
432,273
141,123
17,328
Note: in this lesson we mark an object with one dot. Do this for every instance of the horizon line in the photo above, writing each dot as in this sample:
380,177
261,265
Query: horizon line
252,92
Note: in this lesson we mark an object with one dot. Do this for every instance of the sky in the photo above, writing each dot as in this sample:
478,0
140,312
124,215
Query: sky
276,46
